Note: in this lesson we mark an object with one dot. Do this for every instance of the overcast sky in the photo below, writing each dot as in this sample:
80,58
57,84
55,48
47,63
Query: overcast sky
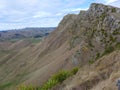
41,13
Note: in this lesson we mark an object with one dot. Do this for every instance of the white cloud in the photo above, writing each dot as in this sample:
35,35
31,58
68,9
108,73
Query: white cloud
25,13
27,2
3,4
78,9
59,14
110,1
42,14
70,3
115,3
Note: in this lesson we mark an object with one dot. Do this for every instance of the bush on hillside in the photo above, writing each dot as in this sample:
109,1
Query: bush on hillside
108,50
25,87
74,70
54,80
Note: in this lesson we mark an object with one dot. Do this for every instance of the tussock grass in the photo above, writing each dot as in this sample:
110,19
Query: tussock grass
53,81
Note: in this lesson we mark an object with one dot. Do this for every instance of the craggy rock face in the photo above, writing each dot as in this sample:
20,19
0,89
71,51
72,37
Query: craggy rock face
95,30
100,8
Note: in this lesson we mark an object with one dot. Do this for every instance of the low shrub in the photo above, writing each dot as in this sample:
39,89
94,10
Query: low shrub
91,61
97,56
113,9
108,50
74,70
61,76
58,78
117,45
25,87
49,84
54,80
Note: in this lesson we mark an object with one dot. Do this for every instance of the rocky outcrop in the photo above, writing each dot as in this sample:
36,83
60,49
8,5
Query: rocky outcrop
95,30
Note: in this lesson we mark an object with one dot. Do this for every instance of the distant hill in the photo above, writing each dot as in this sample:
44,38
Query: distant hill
25,33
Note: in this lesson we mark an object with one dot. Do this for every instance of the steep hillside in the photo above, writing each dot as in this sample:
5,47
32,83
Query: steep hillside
102,75
97,30
79,40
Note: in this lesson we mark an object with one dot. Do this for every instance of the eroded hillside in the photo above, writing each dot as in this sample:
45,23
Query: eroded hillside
79,40
102,75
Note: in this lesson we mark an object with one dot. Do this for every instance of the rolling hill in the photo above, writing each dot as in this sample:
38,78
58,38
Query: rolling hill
25,33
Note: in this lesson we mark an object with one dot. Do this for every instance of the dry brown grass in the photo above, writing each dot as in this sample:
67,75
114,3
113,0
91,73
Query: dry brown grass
100,76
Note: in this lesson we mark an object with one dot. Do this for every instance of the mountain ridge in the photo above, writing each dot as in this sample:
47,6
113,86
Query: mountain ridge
79,40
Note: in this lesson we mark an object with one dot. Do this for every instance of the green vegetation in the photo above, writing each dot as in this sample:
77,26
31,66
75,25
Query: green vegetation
117,45
34,40
90,33
14,82
74,70
4,52
25,87
90,44
91,61
96,5
102,17
50,83
14,40
97,56
61,76
54,80
6,85
108,50
112,39
109,40
113,9
31,40
58,78
71,44
116,32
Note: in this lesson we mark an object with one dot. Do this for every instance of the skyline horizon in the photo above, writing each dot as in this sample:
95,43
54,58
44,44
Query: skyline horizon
25,28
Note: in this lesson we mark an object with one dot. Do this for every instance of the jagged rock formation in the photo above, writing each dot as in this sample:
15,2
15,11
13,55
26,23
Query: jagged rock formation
78,40
95,30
